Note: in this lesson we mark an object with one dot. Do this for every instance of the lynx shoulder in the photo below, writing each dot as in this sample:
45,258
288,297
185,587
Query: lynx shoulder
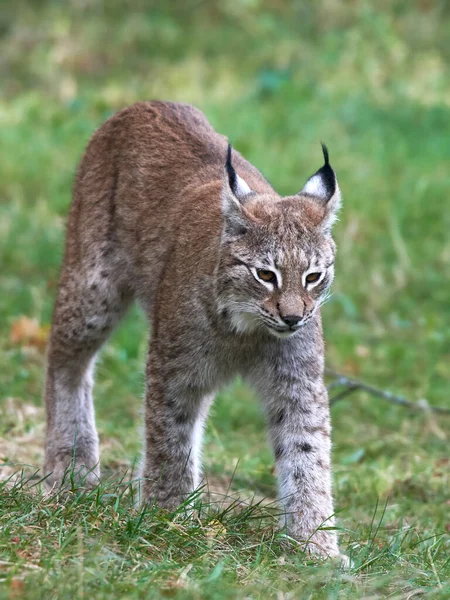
231,277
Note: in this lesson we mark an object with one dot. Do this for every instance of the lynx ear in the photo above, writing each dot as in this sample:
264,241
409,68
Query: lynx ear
234,191
237,185
323,186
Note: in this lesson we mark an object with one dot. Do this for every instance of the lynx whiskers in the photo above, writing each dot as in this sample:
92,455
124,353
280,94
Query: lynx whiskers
231,277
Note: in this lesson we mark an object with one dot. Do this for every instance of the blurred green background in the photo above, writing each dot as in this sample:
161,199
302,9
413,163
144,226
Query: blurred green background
372,80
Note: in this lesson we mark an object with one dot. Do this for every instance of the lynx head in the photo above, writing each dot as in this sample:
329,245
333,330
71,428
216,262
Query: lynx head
277,254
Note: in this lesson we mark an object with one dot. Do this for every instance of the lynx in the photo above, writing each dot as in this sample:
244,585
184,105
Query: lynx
231,277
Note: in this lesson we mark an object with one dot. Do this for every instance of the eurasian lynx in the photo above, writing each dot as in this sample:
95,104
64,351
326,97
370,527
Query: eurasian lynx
231,277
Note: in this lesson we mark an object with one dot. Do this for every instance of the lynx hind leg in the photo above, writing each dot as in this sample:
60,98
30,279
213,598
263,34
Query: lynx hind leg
91,300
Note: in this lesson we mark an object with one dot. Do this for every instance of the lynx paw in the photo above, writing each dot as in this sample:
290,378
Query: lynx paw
64,470
345,562
320,545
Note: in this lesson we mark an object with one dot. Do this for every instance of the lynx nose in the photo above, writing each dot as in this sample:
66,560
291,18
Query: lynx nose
292,320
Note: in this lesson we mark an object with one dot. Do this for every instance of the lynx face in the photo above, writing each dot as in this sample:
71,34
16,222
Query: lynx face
277,254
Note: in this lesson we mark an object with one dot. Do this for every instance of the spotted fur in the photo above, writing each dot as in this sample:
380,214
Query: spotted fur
160,214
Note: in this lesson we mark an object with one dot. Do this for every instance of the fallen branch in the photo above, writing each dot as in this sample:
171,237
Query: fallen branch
352,385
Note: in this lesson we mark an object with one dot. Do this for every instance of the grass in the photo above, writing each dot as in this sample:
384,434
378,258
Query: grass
372,83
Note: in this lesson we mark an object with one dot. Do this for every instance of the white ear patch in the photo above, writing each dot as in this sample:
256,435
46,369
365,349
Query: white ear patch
242,188
315,186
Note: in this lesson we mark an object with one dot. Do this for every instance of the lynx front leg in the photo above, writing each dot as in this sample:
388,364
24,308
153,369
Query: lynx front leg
174,417
299,425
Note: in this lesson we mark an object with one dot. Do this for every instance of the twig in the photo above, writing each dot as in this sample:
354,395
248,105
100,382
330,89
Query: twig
352,385
343,394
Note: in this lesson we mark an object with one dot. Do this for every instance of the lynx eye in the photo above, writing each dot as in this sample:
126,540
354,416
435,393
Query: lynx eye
312,277
268,276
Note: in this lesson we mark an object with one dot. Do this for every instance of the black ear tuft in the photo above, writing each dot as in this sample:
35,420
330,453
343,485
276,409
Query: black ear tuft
232,178
325,153
327,174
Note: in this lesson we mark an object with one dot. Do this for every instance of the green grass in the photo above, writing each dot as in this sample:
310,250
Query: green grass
373,84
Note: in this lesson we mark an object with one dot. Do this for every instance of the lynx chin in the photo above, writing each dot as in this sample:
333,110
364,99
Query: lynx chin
231,276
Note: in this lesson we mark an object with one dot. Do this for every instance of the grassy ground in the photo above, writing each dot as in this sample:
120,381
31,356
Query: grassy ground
371,82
